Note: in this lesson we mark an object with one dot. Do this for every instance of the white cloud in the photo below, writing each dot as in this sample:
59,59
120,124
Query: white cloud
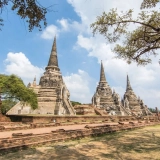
88,10
79,86
64,24
50,32
95,46
19,64
67,25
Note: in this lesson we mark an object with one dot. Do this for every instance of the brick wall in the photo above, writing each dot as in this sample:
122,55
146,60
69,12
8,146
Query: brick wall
62,119
4,118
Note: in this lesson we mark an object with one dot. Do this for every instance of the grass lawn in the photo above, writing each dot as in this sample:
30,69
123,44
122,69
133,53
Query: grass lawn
139,144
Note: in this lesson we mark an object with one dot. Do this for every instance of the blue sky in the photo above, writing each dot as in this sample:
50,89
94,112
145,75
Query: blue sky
26,53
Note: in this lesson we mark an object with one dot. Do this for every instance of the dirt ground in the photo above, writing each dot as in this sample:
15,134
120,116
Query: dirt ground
8,134
139,144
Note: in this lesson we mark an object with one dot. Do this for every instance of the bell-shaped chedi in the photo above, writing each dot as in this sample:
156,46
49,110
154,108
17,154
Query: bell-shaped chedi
104,99
133,104
53,96
52,93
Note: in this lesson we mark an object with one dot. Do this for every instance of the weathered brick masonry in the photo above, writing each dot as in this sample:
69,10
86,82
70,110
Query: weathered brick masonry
20,140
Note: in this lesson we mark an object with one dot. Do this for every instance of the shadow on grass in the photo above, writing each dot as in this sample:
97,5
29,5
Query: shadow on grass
18,154
118,146
58,152
142,143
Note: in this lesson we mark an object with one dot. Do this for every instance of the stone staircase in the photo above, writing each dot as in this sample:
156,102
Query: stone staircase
69,107
99,112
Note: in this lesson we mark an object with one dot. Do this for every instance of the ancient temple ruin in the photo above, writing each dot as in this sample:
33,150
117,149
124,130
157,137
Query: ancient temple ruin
133,104
105,99
109,101
52,93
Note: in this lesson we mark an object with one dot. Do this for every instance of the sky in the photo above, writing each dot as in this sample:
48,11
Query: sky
26,54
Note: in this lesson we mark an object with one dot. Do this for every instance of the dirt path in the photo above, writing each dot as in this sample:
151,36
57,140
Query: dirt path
8,134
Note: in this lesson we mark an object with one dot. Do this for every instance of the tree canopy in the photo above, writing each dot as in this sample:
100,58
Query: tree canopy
13,90
7,105
153,110
75,103
30,10
137,45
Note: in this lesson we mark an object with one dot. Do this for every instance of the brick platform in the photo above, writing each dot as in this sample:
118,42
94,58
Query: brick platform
23,138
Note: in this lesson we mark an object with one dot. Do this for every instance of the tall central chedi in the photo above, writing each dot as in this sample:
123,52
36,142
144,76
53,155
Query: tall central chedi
52,94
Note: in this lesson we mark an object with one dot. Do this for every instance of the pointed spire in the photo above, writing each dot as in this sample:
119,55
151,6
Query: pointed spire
102,74
53,61
128,84
34,81
114,91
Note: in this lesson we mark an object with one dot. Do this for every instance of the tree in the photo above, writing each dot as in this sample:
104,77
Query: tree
75,103
152,110
30,10
13,90
137,45
7,105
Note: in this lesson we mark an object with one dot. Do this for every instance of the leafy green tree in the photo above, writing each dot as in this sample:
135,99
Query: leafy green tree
13,90
7,104
75,103
30,10
137,45
152,110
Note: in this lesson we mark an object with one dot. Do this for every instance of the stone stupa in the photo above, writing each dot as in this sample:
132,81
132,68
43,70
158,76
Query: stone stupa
106,100
52,93
133,104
